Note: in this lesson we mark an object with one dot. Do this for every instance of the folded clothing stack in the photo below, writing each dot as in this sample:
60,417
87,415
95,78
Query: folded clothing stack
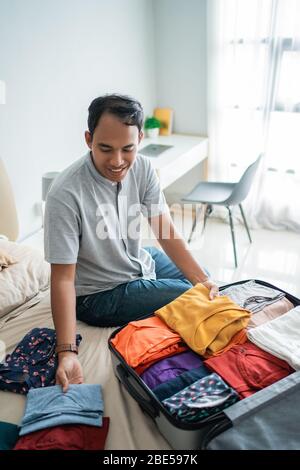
203,398
169,368
253,296
143,342
280,337
248,368
50,406
208,328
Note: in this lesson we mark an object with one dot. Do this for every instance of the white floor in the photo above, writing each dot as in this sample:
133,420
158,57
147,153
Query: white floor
273,256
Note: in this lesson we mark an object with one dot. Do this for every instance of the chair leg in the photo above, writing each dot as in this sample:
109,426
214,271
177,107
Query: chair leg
194,223
245,222
207,212
233,236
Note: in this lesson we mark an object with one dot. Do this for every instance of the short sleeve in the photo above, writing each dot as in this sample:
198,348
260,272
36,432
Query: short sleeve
62,230
154,202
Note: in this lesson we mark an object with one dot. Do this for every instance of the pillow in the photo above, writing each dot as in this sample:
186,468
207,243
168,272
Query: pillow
5,260
24,279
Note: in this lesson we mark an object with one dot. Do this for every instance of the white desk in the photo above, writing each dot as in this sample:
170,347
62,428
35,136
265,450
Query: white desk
187,152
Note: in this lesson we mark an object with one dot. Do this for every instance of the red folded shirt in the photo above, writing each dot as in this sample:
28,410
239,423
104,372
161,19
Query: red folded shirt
247,368
66,437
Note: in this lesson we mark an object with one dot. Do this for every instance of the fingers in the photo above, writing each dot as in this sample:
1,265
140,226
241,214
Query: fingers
62,379
213,289
77,380
65,384
214,292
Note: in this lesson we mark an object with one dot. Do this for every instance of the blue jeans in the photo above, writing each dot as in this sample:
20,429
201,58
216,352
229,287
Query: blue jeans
136,299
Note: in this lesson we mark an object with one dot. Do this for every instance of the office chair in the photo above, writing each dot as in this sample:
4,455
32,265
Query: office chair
223,194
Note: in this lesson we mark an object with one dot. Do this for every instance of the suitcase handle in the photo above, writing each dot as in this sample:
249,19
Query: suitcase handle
146,405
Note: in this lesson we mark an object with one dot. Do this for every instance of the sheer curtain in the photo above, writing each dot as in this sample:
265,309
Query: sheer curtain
254,103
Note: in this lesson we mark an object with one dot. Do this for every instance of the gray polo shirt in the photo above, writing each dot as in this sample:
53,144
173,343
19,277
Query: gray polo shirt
95,223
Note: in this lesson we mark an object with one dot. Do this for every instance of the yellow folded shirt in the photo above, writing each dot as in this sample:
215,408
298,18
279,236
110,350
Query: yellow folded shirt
207,326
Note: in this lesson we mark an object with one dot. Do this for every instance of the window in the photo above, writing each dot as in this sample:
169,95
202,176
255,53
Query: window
262,81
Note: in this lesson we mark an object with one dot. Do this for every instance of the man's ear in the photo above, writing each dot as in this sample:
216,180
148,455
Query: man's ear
88,138
141,136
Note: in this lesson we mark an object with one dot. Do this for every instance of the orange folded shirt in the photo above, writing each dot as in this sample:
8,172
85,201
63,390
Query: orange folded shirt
207,326
143,342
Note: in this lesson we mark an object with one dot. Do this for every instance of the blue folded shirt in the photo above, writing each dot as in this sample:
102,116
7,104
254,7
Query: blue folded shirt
50,406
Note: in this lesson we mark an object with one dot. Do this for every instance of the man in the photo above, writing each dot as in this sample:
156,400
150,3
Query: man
99,271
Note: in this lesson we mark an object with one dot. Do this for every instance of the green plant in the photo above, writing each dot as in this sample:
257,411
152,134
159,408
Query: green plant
152,123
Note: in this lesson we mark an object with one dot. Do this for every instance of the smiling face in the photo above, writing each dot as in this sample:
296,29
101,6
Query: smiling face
114,146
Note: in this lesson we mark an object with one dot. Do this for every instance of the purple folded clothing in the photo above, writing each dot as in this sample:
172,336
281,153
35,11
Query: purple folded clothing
171,367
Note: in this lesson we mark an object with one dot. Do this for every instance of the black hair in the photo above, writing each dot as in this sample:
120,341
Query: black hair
127,109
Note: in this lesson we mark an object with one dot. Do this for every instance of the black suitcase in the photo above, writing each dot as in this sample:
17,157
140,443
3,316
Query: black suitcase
268,419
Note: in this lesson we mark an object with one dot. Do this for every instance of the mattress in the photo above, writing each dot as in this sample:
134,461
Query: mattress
130,428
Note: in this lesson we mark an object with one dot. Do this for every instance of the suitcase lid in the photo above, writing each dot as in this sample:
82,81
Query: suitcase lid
267,420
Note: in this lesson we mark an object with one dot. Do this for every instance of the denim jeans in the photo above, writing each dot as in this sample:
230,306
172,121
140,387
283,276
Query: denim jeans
136,299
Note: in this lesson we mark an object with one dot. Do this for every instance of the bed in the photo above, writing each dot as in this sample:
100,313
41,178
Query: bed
25,304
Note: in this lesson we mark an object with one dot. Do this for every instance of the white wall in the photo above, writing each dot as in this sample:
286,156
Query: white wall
180,41
181,67
56,56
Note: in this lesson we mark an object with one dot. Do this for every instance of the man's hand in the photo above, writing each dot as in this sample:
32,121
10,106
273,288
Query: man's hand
69,370
213,288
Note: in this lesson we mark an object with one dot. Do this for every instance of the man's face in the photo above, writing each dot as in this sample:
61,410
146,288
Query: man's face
114,146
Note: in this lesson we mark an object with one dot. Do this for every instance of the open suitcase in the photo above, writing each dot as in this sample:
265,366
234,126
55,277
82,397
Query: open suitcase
268,419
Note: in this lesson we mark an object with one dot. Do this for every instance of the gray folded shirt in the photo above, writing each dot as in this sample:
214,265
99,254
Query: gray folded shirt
252,296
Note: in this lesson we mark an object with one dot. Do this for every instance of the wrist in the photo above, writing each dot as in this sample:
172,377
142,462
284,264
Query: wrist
207,279
61,355
66,347
209,283
197,279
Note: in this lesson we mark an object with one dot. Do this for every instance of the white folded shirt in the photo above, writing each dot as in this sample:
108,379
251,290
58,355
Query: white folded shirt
280,337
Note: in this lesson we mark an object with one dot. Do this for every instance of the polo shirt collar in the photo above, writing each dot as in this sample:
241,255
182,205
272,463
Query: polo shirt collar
98,177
